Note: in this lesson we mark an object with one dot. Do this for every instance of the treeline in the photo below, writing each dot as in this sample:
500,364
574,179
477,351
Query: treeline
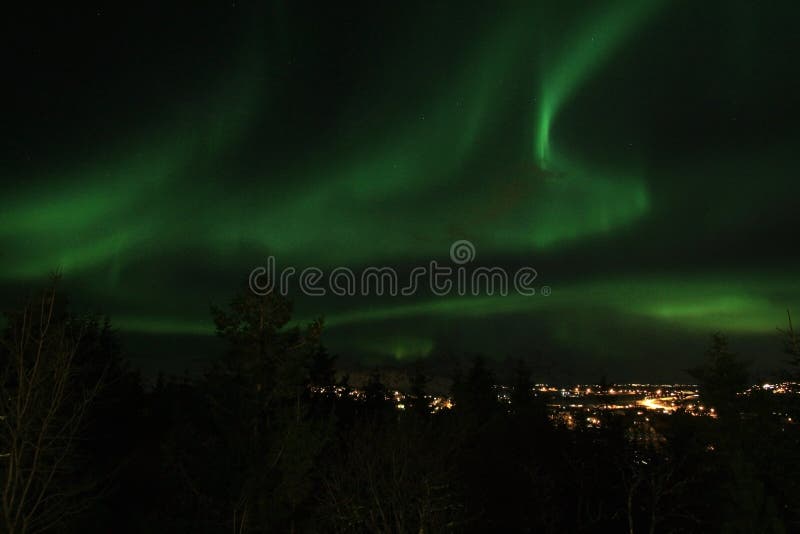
262,443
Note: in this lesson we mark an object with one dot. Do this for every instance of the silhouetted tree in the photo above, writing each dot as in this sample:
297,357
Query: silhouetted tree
791,345
474,395
721,377
391,479
322,370
377,406
418,382
260,432
45,397
522,394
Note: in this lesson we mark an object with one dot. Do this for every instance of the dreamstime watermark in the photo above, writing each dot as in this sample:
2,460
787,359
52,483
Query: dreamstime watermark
441,280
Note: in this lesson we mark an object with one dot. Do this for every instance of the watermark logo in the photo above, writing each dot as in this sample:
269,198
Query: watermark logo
433,278
462,251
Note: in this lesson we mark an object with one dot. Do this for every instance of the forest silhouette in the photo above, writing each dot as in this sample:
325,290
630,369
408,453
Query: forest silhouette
272,438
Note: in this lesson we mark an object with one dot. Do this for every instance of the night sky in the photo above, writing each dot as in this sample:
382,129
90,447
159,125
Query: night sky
641,156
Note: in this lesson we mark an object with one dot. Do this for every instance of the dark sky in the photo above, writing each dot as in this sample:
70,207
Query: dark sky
641,156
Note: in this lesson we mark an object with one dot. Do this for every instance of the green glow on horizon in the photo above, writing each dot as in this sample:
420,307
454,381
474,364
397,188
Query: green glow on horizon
400,348
701,302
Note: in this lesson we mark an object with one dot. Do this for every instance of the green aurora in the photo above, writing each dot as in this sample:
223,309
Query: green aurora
650,185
